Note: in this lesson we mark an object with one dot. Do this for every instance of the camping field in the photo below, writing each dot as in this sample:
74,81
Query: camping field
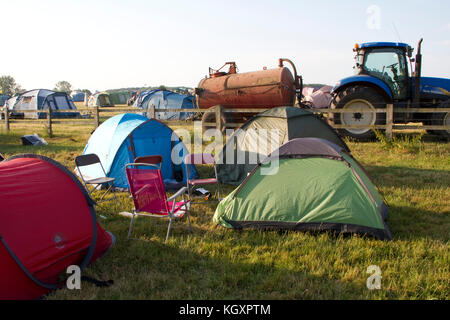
211,262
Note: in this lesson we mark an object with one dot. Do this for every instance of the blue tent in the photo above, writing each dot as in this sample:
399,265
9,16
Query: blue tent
124,137
163,99
77,96
42,99
3,98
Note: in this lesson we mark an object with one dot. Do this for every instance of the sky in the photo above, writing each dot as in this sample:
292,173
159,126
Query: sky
100,45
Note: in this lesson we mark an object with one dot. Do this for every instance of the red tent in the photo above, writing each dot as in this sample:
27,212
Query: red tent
47,223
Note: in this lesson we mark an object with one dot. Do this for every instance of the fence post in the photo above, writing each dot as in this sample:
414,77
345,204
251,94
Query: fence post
96,116
218,118
85,100
6,120
49,125
389,120
152,111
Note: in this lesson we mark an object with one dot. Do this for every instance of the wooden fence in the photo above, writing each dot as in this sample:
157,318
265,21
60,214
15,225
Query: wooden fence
93,116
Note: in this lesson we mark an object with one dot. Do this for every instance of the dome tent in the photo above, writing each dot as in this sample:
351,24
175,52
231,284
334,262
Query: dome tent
247,145
316,186
77,96
3,99
100,99
9,104
164,99
47,223
119,97
42,99
124,137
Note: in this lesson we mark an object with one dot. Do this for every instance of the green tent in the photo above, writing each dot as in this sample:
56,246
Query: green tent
266,132
119,97
308,184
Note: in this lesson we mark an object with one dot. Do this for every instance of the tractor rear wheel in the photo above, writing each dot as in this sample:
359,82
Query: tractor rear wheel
364,100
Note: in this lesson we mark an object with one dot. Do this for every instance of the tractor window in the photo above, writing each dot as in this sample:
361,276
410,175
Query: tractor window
388,65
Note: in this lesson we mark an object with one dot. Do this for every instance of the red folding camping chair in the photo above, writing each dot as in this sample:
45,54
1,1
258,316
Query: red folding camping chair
149,195
201,159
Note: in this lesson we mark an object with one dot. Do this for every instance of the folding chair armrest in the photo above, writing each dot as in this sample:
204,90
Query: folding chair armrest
178,193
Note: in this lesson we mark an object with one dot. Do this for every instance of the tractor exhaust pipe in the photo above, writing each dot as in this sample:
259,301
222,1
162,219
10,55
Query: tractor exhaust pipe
417,74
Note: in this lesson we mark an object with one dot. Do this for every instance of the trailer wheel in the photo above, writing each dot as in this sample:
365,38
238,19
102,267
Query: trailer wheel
442,119
359,97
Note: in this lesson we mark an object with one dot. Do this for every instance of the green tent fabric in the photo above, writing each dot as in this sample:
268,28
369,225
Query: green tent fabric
119,97
311,184
263,134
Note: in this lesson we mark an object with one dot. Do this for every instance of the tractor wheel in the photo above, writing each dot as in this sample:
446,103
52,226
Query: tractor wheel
359,97
442,119
210,117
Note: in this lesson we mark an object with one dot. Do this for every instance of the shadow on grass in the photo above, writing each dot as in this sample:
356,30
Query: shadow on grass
11,144
408,223
416,178
152,270
398,134
413,221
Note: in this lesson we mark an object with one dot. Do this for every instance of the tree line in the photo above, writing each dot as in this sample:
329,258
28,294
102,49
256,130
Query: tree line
9,86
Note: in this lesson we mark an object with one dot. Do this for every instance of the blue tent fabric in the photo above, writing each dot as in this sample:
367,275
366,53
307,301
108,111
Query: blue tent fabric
124,137
77,96
42,99
3,98
163,99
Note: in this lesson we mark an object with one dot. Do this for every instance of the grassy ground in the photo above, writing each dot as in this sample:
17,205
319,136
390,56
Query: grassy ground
217,263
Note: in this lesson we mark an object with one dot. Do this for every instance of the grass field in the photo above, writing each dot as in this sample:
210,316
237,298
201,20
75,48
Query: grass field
216,263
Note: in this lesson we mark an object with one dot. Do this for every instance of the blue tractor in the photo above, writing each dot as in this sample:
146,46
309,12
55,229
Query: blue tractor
383,75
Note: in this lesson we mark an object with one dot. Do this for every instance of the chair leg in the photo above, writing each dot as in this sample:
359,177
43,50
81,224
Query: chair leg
218,192
168,230
188,211
189,193
114,193
131,225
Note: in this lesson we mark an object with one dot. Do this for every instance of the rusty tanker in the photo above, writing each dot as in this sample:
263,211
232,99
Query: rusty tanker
267,88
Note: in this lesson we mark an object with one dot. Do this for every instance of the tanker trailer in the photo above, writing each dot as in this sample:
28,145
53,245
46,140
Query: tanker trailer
267,88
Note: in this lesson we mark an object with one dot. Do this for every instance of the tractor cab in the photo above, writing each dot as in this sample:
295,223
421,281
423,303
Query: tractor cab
386,61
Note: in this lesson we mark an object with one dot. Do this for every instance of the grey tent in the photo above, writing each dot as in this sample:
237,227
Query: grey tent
263,134
42,99
100,99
